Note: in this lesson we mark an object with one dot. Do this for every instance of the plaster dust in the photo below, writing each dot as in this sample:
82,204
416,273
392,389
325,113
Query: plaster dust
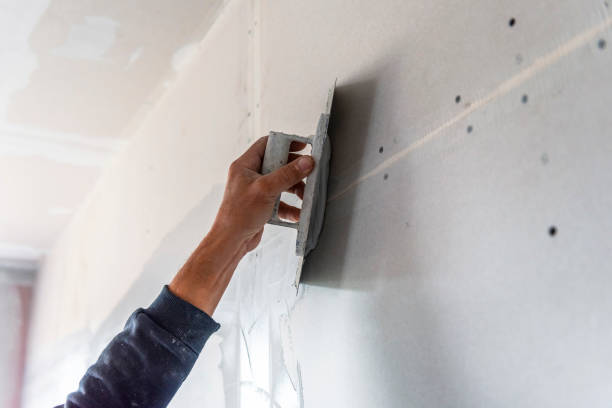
436,281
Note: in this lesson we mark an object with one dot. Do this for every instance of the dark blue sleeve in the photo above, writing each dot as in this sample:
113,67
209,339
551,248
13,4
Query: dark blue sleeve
145,364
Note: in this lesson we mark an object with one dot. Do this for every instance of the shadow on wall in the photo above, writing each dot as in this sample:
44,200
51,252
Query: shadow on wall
350,127
360,232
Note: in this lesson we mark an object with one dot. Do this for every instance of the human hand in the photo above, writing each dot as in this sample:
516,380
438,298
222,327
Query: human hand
249,196
246,207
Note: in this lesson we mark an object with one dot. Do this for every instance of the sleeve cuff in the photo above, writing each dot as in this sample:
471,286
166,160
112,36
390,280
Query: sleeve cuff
188,323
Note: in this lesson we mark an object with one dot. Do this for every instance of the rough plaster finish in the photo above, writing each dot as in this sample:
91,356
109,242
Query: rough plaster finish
436,281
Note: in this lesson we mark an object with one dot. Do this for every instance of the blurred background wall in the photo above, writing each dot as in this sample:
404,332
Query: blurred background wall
16,280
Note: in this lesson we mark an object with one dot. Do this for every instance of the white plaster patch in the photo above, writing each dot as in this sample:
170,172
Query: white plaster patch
17,61
269,369
89,40
183,56
135,56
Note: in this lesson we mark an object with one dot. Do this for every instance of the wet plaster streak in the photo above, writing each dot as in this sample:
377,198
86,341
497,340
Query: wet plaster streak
504,88
270,369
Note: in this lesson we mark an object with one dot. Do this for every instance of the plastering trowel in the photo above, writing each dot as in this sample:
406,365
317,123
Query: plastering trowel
315,192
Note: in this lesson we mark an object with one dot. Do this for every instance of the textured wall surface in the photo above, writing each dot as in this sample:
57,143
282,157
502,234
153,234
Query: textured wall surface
464,256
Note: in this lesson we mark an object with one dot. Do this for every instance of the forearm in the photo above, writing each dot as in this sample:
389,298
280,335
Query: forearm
207,272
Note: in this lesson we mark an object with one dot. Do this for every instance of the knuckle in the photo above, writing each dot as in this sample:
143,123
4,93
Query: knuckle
234,168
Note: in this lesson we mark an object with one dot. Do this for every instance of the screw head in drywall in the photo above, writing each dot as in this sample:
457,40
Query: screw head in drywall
518,59
601,44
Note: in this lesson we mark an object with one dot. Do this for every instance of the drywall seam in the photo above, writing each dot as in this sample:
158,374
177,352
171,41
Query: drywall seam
504,88
254,35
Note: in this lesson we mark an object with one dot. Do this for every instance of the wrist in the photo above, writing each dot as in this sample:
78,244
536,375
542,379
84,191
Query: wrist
224,241
203,278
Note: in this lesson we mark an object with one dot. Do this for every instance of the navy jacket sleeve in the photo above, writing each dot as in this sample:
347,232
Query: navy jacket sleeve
145,364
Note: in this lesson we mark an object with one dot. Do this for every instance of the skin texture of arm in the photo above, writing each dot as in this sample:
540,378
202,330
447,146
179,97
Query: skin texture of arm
246,207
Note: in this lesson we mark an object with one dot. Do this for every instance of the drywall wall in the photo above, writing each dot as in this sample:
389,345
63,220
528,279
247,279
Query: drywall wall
463,260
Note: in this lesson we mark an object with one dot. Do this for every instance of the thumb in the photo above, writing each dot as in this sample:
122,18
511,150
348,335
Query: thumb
290,174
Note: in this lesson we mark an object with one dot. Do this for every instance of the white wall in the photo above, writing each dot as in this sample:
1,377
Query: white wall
436,282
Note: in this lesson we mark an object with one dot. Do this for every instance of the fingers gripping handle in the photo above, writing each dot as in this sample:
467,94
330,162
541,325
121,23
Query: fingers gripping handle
275,157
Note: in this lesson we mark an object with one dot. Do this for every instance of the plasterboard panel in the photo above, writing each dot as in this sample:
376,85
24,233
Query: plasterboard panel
437,281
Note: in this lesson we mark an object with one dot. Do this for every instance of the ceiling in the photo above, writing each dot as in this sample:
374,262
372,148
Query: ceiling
76,77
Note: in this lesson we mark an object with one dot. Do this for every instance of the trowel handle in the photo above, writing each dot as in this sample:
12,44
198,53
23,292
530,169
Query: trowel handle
275,157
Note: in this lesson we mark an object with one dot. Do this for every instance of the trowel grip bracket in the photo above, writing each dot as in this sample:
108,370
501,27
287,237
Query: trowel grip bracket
275,157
